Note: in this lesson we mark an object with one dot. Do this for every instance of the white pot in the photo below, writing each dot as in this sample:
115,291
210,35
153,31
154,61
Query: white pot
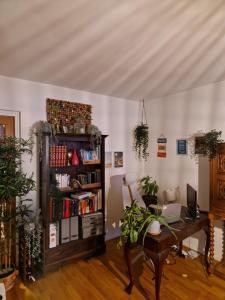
155,228
171,194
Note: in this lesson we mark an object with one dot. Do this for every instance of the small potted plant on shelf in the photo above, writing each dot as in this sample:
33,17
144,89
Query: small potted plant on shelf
148,189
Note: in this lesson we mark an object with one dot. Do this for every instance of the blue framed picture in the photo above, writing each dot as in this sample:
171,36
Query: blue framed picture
182,147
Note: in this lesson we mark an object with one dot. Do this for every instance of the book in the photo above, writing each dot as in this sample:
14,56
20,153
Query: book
81,195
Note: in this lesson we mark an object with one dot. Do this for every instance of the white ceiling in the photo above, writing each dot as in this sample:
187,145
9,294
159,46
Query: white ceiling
130,49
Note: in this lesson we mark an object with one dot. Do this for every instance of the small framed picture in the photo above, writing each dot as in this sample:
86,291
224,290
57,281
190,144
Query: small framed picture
108,159
182,147
118,159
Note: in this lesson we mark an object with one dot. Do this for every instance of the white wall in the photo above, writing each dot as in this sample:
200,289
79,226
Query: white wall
180,116
115,117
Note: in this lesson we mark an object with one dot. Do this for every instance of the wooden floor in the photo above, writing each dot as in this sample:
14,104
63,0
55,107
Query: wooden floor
105,277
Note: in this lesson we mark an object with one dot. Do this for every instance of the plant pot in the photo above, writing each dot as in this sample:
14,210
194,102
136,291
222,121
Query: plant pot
155,228
149,200
9,278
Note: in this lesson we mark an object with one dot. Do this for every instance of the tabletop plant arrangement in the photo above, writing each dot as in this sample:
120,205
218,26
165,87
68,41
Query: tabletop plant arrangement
136,223
148,188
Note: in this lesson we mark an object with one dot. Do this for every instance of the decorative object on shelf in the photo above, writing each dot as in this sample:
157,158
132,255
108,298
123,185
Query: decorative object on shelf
74,160
148,189
161,146
96,136
136,223
14,183
69,157
79,125
141,137
207,144
38,129
63,114
118,159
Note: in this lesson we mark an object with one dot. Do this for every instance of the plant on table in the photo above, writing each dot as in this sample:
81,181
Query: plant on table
148,189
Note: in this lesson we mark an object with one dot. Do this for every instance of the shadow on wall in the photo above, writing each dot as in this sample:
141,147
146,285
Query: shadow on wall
114,206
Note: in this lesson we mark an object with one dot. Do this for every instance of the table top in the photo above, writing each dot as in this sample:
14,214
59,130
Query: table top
183,229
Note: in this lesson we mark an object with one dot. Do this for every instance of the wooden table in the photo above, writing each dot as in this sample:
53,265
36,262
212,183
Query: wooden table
158,247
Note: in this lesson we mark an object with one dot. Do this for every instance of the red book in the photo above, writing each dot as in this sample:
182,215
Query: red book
66,208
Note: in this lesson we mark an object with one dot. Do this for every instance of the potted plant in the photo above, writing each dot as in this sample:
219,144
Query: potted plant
137,222
207,144
131,223
148,189
95,136
141,137
14,183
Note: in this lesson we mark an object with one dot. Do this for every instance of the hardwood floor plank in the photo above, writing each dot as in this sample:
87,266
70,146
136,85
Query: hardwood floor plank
105,277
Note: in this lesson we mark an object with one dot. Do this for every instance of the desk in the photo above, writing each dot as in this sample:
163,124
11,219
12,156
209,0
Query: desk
158,247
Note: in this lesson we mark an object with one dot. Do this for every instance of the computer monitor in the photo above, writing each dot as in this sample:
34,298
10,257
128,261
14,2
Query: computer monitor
191,202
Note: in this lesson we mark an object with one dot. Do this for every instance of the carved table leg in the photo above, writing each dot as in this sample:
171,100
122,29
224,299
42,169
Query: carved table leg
127,255
211,250
223,246
158,260
207,247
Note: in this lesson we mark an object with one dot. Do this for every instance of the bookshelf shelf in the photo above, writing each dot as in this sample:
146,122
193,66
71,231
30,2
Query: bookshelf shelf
91,162
66,209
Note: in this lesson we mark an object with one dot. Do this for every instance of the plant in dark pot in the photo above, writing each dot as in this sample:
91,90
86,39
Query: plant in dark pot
141,137
208,143
14,183
148,189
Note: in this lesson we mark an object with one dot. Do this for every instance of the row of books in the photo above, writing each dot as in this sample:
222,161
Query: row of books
58,156
90,177
63,180
66,180
76,204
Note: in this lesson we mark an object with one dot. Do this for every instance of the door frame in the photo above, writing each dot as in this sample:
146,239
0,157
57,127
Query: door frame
16,114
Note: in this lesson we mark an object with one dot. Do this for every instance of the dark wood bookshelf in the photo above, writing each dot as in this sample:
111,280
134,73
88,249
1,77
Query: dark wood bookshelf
80,248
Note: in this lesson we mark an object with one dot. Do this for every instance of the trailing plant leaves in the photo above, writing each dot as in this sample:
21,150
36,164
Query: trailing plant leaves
210,143
141,140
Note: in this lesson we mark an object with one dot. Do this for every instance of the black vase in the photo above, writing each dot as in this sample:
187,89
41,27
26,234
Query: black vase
149,200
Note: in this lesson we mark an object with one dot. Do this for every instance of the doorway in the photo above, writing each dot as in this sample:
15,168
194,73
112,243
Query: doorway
7,126
9,123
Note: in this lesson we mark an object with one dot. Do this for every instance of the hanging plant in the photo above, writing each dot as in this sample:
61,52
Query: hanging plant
207,144
141,137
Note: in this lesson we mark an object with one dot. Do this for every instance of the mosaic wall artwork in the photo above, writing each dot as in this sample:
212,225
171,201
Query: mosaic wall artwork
61,112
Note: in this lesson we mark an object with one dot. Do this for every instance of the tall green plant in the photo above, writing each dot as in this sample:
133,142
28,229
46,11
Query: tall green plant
14,182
